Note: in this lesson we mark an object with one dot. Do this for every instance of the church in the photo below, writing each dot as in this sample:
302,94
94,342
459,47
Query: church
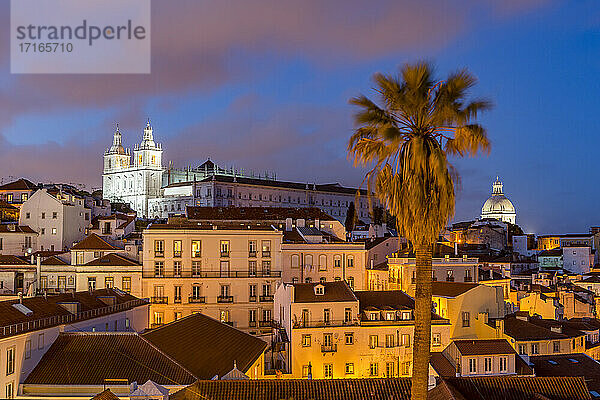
155,191
498,206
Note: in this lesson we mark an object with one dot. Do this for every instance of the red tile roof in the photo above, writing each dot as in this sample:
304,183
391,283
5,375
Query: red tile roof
301,389
205,346
518,388
334,291
4,228
53,260
12,260
88,358
21,184
105,395
94,242
256,213
569,365
112,260
451,289
484,347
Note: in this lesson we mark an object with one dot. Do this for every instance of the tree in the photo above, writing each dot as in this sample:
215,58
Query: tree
405,139
351,218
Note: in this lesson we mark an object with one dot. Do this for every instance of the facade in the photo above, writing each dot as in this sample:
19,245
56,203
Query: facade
337,333
226,271
133,183
17,240
577,259
31,325
60,218
16,275
16,193
498,206
114,227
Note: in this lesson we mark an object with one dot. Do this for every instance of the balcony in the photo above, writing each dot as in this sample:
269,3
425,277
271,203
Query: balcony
252,254
252,324
329,323
266,253
328,348
159,300
177,254
224,254
212,274
197,299
252,299
224,299
177,300
159,253
449,279
265,324
266,298
156,325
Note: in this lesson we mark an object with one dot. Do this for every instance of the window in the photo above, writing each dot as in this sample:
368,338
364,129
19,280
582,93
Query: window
224,290
350,281
295,261
91,283
306,371
54,215
10,390
43,231
466,320
40,341
177,294
126,284
176,268
196,291
487,364
10,360
389,369
159,248
349,368
305,317
436,339
27,348
176,248
177,315
373,369
327,316
349,338
556,346
27,215
389,340
196,267
54,231
305,340
522,349
373,341
158,318
337,261
266,248
43,215
159,268
327,339
109,282
347,315
472,365
350,261
252,248
503,364
406,368
327,371
322,262
535,348
266,268
224,248
196,248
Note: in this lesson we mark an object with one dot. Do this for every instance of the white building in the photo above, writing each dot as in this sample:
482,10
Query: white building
59,217
154,191
17,240
134,183
498,206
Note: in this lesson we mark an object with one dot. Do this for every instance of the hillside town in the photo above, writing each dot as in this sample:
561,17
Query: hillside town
211,282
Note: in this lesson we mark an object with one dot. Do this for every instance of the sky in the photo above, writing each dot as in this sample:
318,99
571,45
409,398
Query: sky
265,84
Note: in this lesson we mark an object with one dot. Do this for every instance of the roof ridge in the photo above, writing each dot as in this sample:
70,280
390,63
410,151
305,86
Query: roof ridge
166,355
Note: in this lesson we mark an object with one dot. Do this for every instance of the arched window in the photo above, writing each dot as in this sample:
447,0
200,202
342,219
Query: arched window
308,260
322,262
295,261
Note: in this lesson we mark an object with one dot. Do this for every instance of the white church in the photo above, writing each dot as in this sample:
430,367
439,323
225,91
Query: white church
498,206
154,191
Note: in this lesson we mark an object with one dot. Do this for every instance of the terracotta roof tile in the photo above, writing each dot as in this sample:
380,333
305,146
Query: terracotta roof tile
54,260
255,213
20,184
484,347
105,395
90,358
12,260
520,388
451,289
334,291
205,346
112,260
442,365
313,389
569,365
94,242
379,299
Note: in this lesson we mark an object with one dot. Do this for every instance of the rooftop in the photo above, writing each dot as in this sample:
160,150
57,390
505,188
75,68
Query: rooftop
256,213
451,289
314,389
94,242
484,347
569,365
20,184
112,260
12,228
333,292
206,226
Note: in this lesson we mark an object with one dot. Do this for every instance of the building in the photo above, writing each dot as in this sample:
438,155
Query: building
226,271
133,183
484,357
17,239
8,212
16,193
173,356
59,217
498,206
334,332
16,275
461,303
573,365
114,227
29,326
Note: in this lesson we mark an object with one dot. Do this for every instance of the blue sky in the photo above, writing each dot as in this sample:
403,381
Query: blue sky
265,85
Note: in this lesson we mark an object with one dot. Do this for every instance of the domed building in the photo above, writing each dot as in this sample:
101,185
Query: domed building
498,206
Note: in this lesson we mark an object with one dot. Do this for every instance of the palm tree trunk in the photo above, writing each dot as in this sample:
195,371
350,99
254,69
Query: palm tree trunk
422,339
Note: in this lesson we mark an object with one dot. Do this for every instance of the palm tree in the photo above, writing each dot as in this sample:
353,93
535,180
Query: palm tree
406,137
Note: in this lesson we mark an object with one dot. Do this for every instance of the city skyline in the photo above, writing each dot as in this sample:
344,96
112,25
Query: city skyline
272,102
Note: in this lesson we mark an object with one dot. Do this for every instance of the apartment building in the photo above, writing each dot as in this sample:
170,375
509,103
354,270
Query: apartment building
334,332
29,326
18,192
17,240
228,271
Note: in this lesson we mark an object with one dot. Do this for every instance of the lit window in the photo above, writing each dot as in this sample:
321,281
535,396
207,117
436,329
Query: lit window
349,368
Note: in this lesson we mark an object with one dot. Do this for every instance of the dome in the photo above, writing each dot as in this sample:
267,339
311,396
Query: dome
498,206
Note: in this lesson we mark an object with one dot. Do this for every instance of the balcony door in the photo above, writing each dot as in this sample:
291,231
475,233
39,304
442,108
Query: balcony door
224,268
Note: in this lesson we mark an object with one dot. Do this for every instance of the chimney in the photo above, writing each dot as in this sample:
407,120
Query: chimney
20,294
317,223
288,224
